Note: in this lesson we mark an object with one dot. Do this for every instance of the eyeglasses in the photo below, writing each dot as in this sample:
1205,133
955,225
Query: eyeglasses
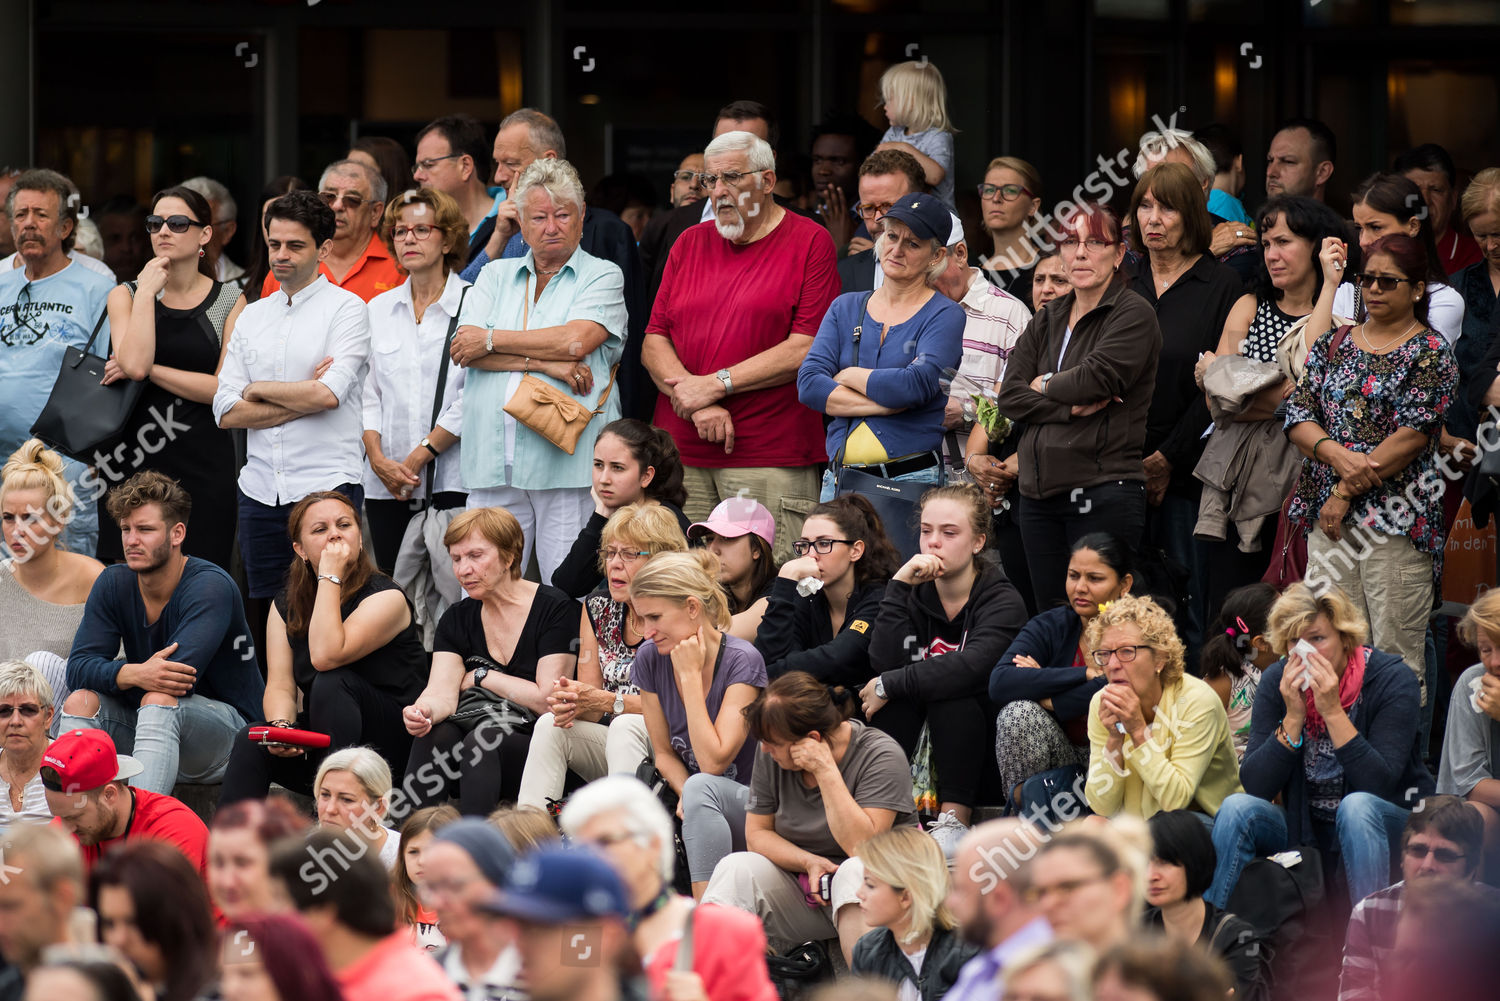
824,546
1009,192
869,213
430,162
176,223
628,555
687,176
30,710
1125,653
1384,283
434,888
1070,245
351,199
421,231
1413,850
1068,887
731,178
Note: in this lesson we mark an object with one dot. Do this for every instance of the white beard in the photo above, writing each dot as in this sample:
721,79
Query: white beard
730,231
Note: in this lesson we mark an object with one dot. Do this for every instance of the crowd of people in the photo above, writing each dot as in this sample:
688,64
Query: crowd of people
491,594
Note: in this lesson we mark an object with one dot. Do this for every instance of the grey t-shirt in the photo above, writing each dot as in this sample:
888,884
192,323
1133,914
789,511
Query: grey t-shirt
1468,746
739,664
874,769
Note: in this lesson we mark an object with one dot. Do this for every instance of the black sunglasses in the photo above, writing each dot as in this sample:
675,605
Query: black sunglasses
1384,283
176,223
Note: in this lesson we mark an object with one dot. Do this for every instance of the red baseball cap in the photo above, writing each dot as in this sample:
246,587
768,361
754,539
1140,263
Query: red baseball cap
85,760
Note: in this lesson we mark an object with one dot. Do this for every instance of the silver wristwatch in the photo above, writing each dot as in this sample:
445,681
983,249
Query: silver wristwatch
880,688
619,703
723,376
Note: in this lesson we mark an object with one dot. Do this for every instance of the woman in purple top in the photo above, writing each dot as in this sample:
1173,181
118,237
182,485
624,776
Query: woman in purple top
695,682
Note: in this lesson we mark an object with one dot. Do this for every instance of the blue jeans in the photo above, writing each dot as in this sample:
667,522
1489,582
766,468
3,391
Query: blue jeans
932,475
1367,829
188,742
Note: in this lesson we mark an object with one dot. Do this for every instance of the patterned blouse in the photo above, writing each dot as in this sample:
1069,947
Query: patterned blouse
615,655
1267,329
1360,399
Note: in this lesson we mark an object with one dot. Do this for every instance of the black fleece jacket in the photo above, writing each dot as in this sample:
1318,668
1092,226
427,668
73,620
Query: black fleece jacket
796,634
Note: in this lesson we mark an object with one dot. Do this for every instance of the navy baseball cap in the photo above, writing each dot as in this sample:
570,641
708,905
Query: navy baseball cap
927,217
554,886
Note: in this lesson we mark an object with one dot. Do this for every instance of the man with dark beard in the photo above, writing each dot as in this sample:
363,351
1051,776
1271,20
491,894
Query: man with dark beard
990,900
188,681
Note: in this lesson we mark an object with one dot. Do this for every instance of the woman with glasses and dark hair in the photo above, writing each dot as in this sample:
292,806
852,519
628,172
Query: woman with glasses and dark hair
426,234
1367,415
825,629
168,328
1158,737
1080,382
1009,197
595,726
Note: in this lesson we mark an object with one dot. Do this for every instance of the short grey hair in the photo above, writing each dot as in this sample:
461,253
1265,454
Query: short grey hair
636,809
759,154
377,183
19,678
556,177
47,854
90,241
542,130
41,179
1155,145
217,194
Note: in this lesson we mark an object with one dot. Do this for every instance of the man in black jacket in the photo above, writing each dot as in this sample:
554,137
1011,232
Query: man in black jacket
886,176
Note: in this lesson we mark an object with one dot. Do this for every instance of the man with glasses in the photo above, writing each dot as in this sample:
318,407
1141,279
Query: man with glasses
356,260
48,304
738,307
453,157
886,176
1444,837
686,188
989,900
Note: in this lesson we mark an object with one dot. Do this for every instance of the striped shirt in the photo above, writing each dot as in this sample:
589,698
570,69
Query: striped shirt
1370,939
994,320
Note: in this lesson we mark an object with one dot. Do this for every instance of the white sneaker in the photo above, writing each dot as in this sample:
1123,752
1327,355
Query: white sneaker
947,830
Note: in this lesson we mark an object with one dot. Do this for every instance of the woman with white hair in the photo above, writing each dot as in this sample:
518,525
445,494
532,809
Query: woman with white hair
539,339
876,365
627,823
25,716
352,792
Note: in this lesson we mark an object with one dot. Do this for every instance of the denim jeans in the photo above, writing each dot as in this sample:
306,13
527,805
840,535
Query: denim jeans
932,475
1246,827
188,742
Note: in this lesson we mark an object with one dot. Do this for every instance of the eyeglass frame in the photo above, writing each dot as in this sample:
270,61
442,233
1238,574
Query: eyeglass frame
428,163
187,222
329,197
628,556
399,233
708,180
688,175
1066,888
1421,851
824,546
1362,280
1101,656
1021,189
1093,244
876,212
7,710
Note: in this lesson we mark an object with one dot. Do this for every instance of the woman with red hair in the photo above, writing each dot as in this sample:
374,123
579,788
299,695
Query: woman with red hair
274,957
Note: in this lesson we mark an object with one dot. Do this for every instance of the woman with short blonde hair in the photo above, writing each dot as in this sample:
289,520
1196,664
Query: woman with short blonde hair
29,697
352,792
903,900
1334,733
1158,738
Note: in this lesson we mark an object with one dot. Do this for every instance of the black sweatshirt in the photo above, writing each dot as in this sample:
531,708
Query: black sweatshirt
578,574
796,634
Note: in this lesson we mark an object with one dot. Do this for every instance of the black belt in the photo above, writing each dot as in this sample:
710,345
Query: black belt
899,467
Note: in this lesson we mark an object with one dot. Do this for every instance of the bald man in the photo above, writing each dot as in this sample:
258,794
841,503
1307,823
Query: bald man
991,877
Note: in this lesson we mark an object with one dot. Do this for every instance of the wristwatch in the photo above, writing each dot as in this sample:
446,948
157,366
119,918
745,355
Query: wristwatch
723,376
427,444
619,703
328,576
479,675
1046,379
880,688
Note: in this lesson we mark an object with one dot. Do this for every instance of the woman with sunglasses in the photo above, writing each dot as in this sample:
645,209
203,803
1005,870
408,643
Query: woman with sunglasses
1158,737
167,327
25,716
826,632
1367,416
1010,195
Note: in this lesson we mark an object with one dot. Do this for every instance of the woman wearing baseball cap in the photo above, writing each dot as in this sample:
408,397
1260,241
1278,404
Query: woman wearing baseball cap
741,532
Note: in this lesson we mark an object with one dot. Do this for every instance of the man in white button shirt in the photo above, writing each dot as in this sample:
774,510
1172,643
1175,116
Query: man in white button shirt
293,376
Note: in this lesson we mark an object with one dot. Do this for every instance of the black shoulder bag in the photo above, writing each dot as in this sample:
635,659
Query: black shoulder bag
83,416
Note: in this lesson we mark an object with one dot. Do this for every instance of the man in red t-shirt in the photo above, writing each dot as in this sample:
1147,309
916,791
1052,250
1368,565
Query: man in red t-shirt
740,301
84,780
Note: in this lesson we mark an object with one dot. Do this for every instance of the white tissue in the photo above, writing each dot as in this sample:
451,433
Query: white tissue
1474,688
809,586
1303,649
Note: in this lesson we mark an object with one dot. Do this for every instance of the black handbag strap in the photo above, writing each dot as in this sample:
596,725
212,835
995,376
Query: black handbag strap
442,380
103,315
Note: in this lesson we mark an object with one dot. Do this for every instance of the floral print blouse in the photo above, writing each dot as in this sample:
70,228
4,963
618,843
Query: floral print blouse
1360,399
615,655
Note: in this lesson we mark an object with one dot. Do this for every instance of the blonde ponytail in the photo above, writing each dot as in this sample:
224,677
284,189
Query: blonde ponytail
34,466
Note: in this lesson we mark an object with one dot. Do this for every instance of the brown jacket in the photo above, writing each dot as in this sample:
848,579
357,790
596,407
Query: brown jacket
1112,353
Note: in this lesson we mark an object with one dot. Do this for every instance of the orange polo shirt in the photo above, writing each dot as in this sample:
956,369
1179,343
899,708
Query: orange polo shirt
375,272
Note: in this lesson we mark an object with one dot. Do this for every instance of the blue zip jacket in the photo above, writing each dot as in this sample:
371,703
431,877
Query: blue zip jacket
1050,639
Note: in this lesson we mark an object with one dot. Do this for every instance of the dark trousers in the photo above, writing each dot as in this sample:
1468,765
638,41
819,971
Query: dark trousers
341,704
265,546
957,727
388,520
482,767
1050,527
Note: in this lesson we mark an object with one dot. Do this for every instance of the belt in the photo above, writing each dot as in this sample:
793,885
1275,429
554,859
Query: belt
899,467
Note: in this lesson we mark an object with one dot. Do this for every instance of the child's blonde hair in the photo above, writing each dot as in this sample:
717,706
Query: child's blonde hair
915,94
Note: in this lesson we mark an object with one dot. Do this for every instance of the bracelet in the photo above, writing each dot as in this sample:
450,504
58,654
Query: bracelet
283,723
1285,739
489,342
1317,443
527,366
1340,496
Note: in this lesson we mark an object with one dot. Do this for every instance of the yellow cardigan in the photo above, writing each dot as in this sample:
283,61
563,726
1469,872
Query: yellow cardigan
1187,760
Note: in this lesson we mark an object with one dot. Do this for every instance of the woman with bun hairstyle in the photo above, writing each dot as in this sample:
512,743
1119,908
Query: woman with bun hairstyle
634,463
42,587
827,633
695,681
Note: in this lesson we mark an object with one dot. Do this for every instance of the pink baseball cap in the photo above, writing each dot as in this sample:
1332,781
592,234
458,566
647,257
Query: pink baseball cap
737,516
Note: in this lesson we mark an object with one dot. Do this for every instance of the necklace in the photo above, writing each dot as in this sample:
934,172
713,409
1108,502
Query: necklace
1363,329
552,272
1166,283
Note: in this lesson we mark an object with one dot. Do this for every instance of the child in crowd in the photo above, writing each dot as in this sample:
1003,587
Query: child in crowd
1236,651
916,105
416,835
